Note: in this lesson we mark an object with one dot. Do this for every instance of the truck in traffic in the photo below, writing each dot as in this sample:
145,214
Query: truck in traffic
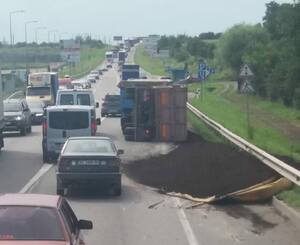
1,114
122,57
130,71
42,86
153,110
109,57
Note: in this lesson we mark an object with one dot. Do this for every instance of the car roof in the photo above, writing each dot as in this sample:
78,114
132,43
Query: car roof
89,138
38,200
69,107
87,91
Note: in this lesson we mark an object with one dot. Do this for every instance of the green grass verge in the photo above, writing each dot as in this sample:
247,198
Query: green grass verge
291,197
205,131
90,58
153,65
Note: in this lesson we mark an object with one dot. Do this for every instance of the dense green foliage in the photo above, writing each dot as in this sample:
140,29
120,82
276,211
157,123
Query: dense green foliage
271,49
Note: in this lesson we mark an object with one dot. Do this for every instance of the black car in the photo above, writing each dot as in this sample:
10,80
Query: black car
17,116
111,105
89,161
37,111
109,66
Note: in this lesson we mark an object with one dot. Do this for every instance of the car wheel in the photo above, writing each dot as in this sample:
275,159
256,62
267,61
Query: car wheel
23,131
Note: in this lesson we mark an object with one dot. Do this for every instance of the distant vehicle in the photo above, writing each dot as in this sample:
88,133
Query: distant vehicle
1,115
95,74
111,105
89,160
104,69
42,86
130,71
76,97
109,66
17,116
39,219
62,122
122,56
64,82
100,71
37,111
91,79
77,85
109,57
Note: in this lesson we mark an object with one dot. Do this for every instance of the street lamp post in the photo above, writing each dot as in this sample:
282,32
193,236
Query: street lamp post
51,31
36,32
10,28
27,23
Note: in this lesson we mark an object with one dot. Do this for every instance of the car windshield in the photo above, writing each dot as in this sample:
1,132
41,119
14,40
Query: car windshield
12,107
90,146
38,91
29,223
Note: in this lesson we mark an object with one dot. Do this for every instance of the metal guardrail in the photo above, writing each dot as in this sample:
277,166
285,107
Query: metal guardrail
279,166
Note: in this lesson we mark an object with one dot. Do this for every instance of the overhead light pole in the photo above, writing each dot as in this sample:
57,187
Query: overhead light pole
10,27
36,32
49,32
27,23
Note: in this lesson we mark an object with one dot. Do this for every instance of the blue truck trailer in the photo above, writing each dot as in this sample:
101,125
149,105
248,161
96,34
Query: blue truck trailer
130,71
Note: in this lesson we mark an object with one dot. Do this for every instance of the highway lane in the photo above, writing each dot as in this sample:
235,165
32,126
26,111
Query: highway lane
129,219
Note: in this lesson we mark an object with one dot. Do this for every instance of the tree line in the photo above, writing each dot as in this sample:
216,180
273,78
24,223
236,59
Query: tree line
270,48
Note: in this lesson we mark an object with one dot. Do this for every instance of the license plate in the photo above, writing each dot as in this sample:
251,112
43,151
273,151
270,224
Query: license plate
89,162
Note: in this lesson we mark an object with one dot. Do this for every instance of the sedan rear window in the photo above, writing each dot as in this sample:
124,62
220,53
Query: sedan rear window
90,146
29,223
68,120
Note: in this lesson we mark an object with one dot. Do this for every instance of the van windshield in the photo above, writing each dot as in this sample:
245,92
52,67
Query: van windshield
38,91
68,120
83,99
66,99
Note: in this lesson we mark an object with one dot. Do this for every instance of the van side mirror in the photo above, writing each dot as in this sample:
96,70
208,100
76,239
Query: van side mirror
120,152
97,104
98,121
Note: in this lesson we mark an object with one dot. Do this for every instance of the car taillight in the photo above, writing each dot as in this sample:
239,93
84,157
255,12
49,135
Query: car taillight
93,127
64,164
45,126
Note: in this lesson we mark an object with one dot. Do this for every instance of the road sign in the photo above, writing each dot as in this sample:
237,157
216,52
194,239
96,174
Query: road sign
246,71
202,71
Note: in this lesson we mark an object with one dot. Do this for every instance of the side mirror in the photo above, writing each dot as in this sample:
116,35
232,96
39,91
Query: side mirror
97,104
98,121
120,152
85,224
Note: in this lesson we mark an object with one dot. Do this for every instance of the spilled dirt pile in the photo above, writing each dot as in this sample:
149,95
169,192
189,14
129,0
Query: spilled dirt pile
201,169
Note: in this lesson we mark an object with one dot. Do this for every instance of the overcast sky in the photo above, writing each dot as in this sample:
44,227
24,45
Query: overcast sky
105,18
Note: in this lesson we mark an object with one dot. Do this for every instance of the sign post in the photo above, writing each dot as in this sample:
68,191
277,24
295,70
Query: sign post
246,73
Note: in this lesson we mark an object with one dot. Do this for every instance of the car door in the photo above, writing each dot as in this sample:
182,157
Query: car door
71,222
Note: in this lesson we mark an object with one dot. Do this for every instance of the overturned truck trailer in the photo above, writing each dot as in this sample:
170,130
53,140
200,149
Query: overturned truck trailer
153,110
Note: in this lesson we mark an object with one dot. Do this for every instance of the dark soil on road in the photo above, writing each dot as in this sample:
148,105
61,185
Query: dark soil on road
201,169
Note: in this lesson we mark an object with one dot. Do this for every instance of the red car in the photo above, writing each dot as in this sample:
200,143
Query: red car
33,219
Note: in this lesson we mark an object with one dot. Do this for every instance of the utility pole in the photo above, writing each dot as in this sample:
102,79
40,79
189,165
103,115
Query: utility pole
27,23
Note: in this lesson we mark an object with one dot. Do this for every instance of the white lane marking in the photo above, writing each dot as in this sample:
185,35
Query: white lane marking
189,233
43,170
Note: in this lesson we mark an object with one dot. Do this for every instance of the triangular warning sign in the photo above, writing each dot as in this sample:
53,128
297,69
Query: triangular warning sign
246,71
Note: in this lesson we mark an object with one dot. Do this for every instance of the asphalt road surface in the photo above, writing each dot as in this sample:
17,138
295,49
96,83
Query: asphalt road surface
141,215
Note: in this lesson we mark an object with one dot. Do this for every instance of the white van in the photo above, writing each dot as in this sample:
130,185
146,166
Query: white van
76,97
62,122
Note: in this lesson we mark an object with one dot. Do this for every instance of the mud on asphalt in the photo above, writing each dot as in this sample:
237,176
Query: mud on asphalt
201,169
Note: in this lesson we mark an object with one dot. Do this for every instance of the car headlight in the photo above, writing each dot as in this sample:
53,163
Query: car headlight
18,118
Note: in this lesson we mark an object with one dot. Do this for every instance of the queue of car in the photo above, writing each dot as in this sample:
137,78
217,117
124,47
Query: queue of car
69,133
